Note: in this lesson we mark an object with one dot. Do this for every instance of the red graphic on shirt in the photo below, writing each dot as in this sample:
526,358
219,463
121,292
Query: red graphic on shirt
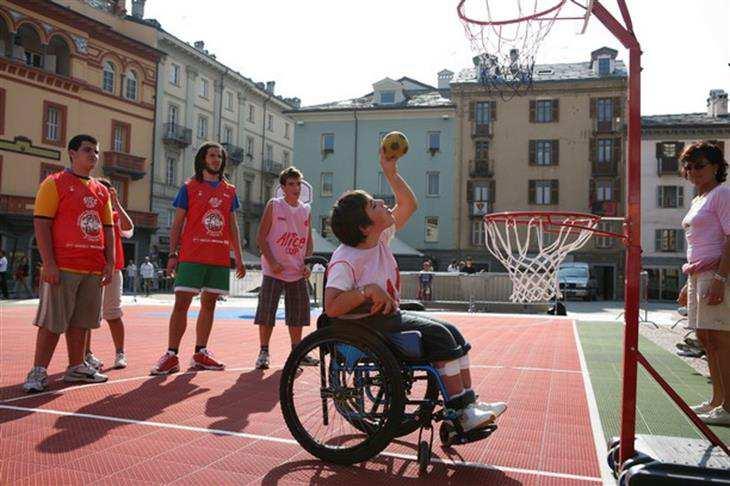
291,242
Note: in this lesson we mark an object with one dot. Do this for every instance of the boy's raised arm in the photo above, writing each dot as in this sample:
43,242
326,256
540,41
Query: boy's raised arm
405,200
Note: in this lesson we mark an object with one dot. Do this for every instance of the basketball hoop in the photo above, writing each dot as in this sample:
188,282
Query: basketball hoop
532,244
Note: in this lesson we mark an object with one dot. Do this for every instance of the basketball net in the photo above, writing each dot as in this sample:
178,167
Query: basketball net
514,238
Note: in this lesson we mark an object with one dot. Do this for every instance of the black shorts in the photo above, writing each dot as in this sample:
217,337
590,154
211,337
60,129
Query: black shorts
441,340
296,302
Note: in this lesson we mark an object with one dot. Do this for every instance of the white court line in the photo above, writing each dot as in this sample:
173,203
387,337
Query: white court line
267,438
599,439
525,368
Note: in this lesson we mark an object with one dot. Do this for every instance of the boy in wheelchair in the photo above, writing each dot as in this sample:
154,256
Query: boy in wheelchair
363,282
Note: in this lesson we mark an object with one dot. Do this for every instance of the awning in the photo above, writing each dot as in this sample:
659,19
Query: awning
321,245
400,248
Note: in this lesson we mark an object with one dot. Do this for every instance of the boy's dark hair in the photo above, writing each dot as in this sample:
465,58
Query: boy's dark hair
77,140
708,151
200,160
348,216
289,173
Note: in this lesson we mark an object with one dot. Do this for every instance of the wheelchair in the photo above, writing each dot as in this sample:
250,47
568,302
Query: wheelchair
368,389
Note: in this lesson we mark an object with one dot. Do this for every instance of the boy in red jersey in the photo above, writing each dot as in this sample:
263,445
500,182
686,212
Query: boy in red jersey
206,206
73,227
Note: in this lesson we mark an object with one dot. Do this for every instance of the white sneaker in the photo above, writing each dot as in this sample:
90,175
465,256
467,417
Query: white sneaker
475,418
120,361
262,362
703,407
37,380
497,408
93,361
84,373
717,416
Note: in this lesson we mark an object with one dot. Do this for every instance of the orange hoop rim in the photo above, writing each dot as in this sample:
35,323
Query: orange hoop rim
567,219
535,16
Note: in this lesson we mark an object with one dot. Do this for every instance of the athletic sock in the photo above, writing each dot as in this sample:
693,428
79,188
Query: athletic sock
198,348
120,351
265,349
172,351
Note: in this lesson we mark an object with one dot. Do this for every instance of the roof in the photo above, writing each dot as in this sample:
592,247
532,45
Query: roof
426,98
572,71
400,248
684,120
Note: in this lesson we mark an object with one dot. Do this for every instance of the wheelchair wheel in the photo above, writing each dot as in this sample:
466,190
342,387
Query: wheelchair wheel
424,389
327,409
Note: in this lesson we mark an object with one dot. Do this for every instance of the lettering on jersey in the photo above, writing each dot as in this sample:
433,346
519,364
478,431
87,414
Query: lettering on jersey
90,225
291,242
215,202
213,222
90,201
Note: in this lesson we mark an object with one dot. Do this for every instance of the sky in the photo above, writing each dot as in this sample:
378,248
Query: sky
328,50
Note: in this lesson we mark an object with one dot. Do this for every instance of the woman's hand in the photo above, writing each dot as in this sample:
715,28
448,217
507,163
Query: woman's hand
382,302
682,299
716,293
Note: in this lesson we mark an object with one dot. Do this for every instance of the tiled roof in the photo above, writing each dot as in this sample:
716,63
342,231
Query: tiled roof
684,119
554,72
414,99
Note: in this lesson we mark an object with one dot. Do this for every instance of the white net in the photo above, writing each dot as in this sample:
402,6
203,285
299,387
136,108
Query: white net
532,247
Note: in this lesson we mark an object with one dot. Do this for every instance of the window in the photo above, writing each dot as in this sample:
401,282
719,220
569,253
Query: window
229,101
482,112
670,196
251,112
605,241
383,185
477,233
482,150
270,123
286,130
269,152
544,111
170,178
481,193
604,190
326,184
668,150
109,77
605,149
248,190
328,143
120,184
118,142
131,86
175,74
48,169
604,109
543,192
227,134
173,114
669,240
387,97
54,124
432,229
204,88
285,158
34,59
2,117
202,127
434,142
604,66
432,183
249,146
544,152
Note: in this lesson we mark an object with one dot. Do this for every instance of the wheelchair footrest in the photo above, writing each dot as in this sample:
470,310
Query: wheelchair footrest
449,435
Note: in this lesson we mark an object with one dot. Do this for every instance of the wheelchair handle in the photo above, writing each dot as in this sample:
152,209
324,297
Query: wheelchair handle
316,259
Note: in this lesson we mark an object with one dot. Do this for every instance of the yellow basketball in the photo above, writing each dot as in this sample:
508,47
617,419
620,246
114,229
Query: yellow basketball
395,145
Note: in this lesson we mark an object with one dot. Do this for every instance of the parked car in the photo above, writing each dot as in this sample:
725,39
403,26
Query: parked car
575,280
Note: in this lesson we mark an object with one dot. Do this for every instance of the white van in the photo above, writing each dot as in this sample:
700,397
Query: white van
575,280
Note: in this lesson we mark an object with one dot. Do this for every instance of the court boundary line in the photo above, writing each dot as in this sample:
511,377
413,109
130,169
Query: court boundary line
267,438
599,438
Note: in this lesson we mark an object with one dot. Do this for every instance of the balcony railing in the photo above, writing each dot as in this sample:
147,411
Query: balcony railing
175,134
479,208
609,168
667,166
118,163
482,130
143,219
606,126
480,168
604,208
388,198
271,167
235,153
18,205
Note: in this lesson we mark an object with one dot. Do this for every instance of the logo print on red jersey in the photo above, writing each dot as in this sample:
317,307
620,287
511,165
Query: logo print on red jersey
213,222
90,225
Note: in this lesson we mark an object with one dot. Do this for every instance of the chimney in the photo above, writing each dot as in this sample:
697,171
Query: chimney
270,86
138,8
118,8
199,45
717,103
296,103
444,79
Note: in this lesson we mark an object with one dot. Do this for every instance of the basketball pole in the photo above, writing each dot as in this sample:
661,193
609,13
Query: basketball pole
632,225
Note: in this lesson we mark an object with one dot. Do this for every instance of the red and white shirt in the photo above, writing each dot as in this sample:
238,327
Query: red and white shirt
287,239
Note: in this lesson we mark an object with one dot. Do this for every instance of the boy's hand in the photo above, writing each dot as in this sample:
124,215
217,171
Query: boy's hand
306,272
171,266
240,270
682,299
276,267
389,165
382,302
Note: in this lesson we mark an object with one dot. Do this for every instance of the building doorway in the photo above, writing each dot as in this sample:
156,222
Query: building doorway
604,276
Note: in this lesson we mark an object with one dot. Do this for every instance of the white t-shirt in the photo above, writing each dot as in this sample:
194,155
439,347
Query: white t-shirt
147,270
351,267
3,264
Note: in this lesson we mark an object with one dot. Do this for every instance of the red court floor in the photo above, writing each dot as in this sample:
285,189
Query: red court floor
226,427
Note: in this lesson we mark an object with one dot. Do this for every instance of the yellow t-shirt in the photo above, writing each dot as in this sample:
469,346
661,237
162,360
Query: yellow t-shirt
46,206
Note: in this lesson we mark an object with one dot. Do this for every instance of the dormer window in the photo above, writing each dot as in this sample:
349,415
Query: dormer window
387,97
604,66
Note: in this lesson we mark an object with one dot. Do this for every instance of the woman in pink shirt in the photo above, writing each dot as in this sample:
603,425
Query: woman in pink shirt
706,294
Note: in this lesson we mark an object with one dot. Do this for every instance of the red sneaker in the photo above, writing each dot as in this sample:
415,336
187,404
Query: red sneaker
203,359
167,364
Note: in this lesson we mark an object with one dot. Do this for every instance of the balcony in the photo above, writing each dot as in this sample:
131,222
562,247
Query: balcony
604,208
667,166
235,153
118,163
272,168
16,205
176,135
388,198
480,168
606,126
609,168
143,220
483,130
479,208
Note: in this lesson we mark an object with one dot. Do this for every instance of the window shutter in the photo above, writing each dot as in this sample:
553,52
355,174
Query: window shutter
554,193
657,240
616,190
532,111
493,110
680,196
616,148
592,109
492,187
680,240
469,191
556,110
617,107
659,190
592,151
531,192
471,110
678,148
555,145
532,156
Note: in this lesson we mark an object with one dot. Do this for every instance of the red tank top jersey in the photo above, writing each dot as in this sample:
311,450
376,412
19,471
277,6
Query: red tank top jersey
118,248
206,235
78,233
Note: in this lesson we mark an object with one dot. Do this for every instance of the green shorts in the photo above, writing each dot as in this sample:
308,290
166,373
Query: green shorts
197,277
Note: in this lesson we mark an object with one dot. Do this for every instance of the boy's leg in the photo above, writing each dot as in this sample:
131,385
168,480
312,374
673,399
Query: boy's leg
265,318
179,319
296,309
204,324
86,316
45,345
